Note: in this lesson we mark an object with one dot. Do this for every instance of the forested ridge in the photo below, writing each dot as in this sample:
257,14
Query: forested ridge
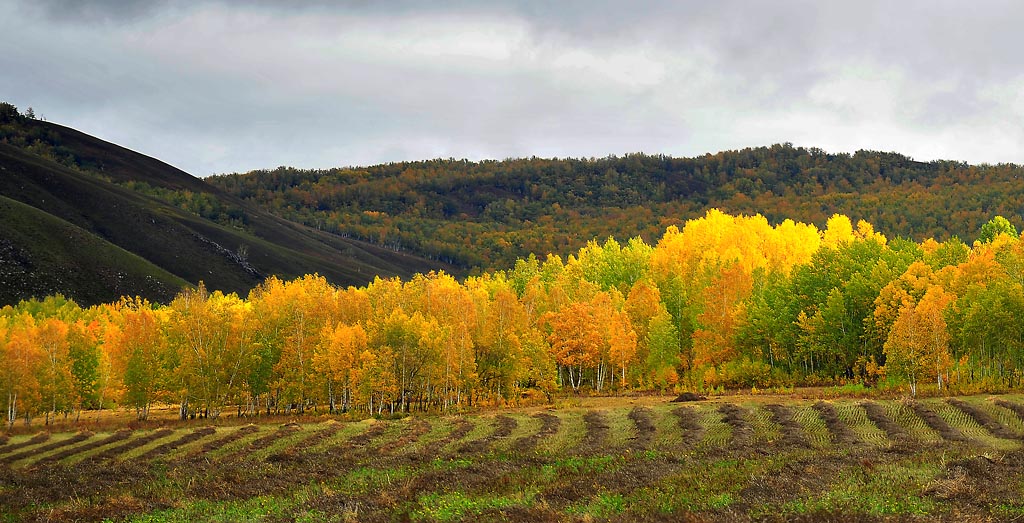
489,213
724,301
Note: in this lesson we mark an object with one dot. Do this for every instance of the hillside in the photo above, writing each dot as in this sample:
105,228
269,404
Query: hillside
489,213
180,228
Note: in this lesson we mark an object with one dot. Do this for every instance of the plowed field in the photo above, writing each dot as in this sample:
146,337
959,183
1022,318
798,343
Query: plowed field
757,458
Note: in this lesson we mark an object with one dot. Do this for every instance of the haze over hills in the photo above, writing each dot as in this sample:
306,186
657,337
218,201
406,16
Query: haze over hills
489,213
96,221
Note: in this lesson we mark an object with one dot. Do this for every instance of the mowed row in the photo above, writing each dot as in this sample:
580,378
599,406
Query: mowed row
699,427
727,457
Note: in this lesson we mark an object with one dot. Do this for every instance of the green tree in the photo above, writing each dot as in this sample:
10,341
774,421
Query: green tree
994,228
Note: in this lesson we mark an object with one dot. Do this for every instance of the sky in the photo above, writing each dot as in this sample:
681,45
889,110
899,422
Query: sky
222,86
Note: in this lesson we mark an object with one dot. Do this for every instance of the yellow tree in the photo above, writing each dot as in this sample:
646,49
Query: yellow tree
211,336
137,346
19,364
714,341
337,360
918,344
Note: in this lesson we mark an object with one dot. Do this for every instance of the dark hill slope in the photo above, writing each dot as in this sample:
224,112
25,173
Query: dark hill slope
42,255
141,205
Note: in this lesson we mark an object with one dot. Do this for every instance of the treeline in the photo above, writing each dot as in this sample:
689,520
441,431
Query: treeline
490,213
726,301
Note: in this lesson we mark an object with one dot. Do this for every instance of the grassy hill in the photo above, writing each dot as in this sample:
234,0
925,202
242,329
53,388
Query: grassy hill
489,213
181,228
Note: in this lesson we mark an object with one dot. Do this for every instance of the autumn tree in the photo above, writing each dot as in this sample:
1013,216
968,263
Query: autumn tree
918,344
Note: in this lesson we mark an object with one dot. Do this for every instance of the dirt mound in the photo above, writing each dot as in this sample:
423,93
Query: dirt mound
195,435
792,432
876,413
1017,408
736,417
549,426
689,396
596,433
839,431
985,420
642,420
120,435
77,438
35,440
938,424
693,432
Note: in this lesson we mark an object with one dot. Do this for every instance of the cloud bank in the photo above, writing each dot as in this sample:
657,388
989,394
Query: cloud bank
223,87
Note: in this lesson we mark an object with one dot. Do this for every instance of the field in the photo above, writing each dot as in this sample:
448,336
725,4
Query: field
761,458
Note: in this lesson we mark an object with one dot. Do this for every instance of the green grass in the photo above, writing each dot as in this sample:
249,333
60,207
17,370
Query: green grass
968,426
763,427
717,433
603,505
856,418
888,490
570,432
667,433
455,506
621,429
916,428
814,427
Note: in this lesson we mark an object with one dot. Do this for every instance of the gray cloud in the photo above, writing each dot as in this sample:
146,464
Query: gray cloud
231,86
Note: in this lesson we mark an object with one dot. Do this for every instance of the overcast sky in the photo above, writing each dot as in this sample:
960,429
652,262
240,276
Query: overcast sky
214,87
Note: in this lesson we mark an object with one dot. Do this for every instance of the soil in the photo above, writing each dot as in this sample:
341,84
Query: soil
643,421
1017,408
503,427
113,438
195,435
416,429
117,450
230,438
34,440
985,420
596,433
689,396
736,417
938,424
841,434
77,438
876,413
549,426
693,432
792,432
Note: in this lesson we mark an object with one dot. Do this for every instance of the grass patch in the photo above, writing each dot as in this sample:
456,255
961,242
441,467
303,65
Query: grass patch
883,491
570,433
763,428
454,506
904,415
600,506
968,426
717,433
815,429
667,433
621,429
253,509
856,419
